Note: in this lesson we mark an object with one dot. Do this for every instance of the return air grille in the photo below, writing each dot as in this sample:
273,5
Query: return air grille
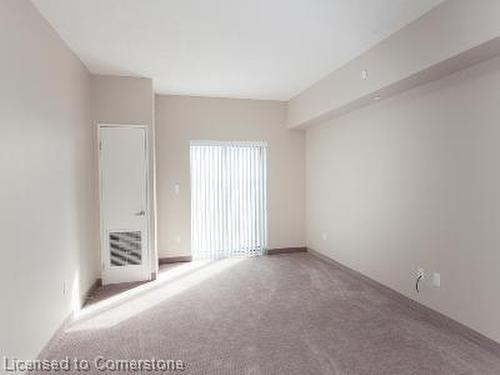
125,248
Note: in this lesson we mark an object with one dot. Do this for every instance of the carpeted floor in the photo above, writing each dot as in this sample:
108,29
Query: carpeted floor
282,314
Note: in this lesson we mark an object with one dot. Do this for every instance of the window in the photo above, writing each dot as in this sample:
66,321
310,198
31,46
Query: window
228,198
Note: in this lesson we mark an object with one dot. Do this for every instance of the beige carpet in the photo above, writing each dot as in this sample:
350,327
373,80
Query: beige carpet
282,314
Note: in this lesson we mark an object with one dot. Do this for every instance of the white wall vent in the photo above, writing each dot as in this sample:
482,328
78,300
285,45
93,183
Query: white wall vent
125,248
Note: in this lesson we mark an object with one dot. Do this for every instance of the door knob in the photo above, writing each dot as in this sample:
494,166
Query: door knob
141,213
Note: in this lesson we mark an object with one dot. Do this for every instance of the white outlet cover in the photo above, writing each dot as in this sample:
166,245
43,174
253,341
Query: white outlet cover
420,271
178,239
324,236
177,188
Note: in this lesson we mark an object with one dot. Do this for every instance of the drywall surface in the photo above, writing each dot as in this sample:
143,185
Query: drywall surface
122,100
182,119
447,31
129,101
411,182
48,223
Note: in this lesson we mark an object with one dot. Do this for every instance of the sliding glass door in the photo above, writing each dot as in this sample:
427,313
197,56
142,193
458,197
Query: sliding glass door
228,199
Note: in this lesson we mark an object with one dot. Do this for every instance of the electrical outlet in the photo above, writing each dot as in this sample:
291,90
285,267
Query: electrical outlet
436,279
324,236
178,239
177,188
421,272
420,278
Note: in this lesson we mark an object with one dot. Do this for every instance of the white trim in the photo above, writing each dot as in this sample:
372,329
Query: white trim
101,125
227,143
102,234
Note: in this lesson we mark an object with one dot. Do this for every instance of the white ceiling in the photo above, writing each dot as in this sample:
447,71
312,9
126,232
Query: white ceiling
260,49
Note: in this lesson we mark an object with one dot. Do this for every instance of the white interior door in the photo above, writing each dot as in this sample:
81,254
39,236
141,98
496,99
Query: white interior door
124,204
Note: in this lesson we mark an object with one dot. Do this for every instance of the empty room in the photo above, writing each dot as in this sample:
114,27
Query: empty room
250,187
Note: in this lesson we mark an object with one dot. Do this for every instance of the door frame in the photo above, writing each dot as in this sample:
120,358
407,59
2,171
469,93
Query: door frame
149,183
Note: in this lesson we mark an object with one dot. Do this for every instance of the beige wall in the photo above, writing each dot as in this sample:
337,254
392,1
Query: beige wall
129,101
181,119
47,196
122,100
435,43
414,181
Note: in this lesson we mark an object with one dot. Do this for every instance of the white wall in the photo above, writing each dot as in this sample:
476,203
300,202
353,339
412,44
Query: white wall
415,181
181,119
48,223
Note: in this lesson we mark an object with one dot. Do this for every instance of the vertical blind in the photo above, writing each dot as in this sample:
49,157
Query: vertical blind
228,198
